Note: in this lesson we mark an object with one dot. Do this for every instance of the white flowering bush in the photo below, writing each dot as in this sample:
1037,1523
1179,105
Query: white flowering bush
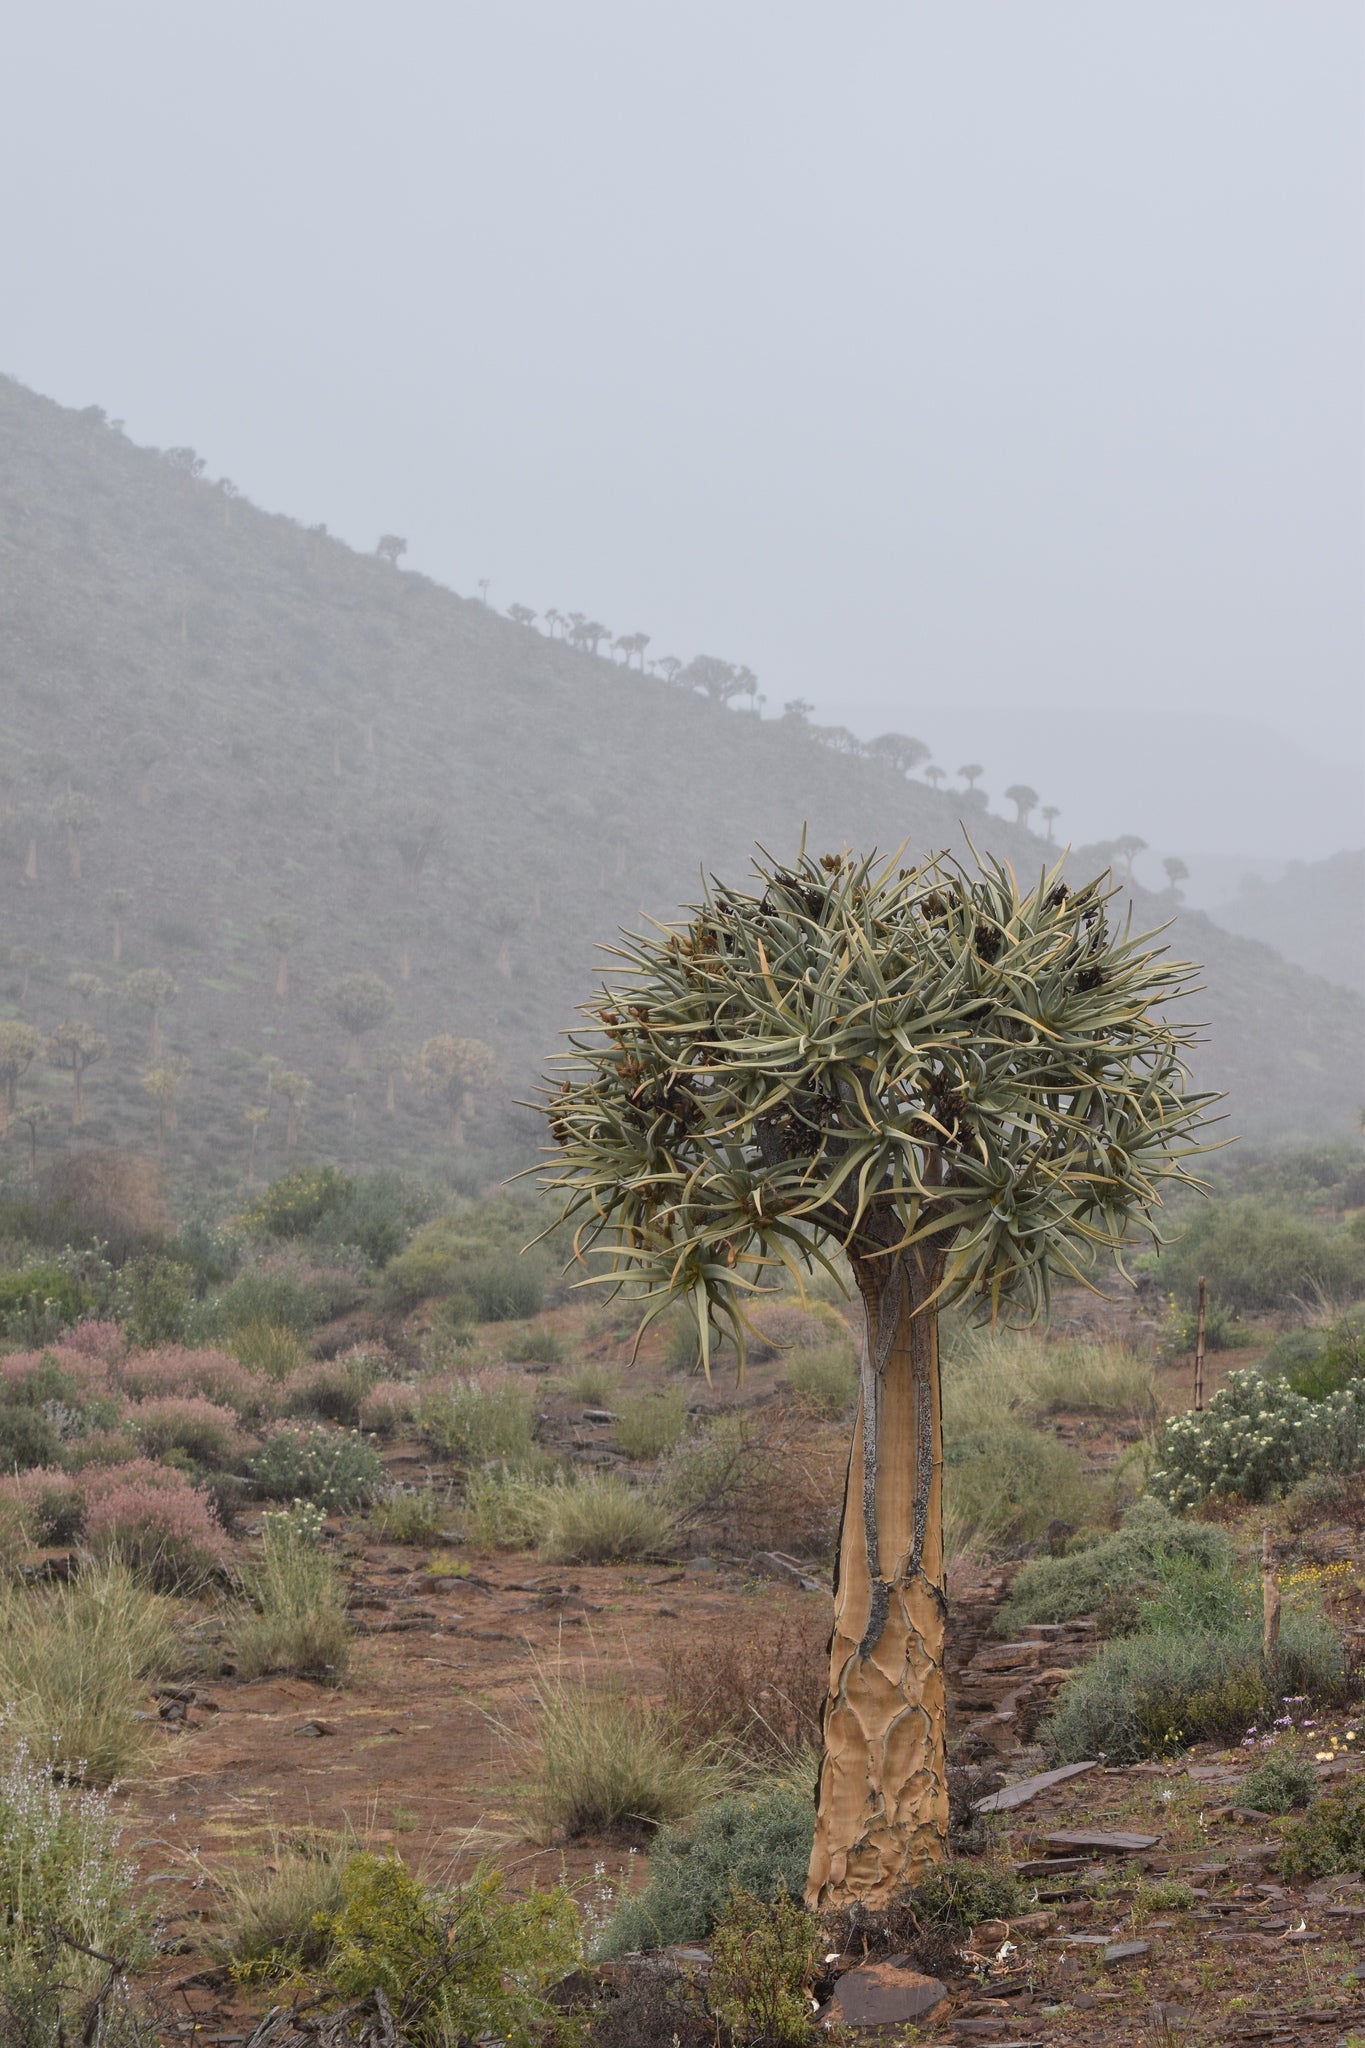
1257,1437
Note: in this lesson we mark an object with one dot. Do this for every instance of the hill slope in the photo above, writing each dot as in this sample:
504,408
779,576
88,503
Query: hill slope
1314,915
261,721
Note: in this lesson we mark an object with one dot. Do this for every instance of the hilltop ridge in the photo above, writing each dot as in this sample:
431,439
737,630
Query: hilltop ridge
231,719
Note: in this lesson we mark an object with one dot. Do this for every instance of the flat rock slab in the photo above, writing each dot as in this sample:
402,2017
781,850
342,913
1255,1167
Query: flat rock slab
890,1993
1024,1789
1065,1841
1126,1951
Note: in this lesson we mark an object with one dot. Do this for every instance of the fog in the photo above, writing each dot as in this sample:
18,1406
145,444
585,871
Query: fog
990,372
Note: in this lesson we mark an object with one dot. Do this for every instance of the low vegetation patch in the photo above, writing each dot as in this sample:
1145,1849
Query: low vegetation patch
602,1760
1331,1837
1112,1568
299,1623
77,1661
650,1423
601,1519
1280,1782
757,1687
417,1514
759,1844
332,1467
479,1421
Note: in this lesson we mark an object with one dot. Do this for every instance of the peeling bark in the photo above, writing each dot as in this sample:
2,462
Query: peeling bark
882,1815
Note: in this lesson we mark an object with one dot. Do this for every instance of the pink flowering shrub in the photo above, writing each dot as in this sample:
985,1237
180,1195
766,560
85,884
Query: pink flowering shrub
204,1430
115,1446
390,1407
177,1370
95,1340
153,1519
56,1370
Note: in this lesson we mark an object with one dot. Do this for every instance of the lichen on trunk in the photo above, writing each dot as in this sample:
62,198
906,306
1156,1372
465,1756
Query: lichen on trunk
882,1815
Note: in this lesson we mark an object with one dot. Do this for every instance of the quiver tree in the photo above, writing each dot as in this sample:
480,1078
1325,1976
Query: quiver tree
284,929
74,1046
1024,799
76,813
118,902
412,826
448,1070
296,1089
151,989
360,1003
961,1087
898,750
32,1115
162,1083
145,750
257,1115
20,1045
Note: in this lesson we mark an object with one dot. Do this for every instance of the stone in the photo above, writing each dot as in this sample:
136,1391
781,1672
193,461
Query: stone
889,1993
1125,1951
1099,1843
1024,1789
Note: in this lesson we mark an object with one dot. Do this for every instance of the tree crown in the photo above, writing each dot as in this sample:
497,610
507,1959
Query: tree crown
873,1058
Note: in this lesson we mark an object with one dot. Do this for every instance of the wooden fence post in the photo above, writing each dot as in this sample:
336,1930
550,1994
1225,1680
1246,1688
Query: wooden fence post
1199,1347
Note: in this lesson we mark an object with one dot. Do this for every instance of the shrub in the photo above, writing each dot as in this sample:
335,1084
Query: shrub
1181,1333
760,1844
38,1301
281,1292
1053,1589
479,1420
1254,1256
178,1370
299,1624
48,1501
1318,1363
1008,1483
758,1687
961,1894
1280,1782
104,1197
1255,1438
592,1384
331,1392
389,1407
764,1955
536,1345
1151,1693
270,1350
151,1518
600,1519
470,1965
504,1510
767,1479
277,1913
502,1288
470,1257
62,1865
75,1664
27,1438
825,1380
649,1423
157,1293
603,1758
1330,1839
298,1202
416,1515
336,1468
203,1430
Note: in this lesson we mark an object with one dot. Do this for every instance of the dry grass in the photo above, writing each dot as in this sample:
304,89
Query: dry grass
76,1664
602,1760
299,1624
760,1690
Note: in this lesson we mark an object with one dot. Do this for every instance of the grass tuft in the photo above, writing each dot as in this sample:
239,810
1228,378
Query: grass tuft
299,1624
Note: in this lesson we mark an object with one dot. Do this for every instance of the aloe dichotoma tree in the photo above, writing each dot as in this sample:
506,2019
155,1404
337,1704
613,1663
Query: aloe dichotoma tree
962,1087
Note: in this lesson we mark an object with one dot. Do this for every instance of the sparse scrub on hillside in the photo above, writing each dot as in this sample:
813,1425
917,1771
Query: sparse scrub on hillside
1010,1483
760,1480
1112,1569
275,1913
333,1390
299,1623
76,1664
203,1431
1254,1255
150,1516
471,1258
271,1351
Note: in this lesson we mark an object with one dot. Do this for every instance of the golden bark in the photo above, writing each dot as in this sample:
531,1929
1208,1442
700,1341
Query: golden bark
882,1816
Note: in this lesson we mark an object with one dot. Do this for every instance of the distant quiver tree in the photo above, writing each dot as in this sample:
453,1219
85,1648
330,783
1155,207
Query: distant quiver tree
960,1085
449,1069
360,1003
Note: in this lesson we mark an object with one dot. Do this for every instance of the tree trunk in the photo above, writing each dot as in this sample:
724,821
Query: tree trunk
282,976
77,1096
73,854
882,1815
31,863
154,1049
118,939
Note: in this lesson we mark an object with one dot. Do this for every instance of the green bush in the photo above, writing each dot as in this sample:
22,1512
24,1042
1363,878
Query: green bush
504,1509
335,1390
411,1515
760,1845
157,1295
1280,1782
825,1380
764,1954
1255,1439
1149,1694
38,1302
502,1288
298,1202
1254,1256
336,1468
471,1964
1008,1483
1053,1589
477,1422
27,1439
650,1423
602,1757
1317,1363
267,1348
471,1257
1331,1837
281,1295
536,1345
962,1894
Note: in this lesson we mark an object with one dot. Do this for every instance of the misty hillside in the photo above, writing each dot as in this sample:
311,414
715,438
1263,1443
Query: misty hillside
233,746
1314,914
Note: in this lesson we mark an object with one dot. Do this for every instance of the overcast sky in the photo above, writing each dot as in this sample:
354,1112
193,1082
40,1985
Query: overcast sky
990,371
